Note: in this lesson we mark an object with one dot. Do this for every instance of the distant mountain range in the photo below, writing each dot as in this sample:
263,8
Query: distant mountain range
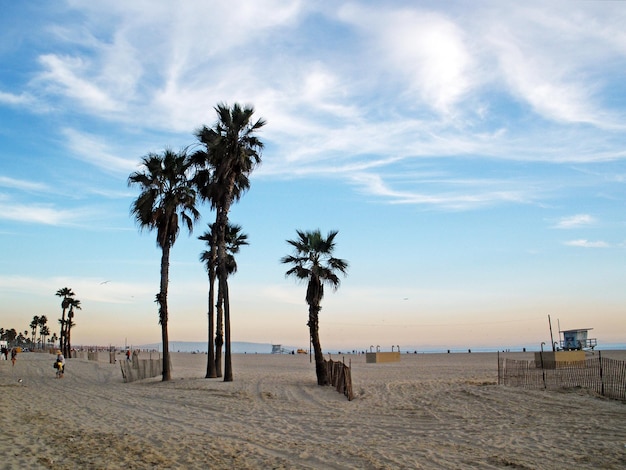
237,347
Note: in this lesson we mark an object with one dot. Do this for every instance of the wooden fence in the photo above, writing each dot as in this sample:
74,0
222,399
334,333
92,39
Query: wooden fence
604,376
139,369
340,377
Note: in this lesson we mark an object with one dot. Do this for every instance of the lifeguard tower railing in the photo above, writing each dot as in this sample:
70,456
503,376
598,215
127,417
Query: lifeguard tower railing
588,343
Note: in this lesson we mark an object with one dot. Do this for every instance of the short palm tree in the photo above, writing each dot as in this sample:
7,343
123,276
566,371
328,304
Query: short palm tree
67,294
166,201
231,152
234,240
34,324
44,331
313,262
43,328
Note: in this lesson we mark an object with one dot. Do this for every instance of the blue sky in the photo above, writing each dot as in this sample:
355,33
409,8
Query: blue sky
470,154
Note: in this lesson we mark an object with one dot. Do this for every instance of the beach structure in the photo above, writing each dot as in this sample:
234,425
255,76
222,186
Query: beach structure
568,351
577,340
372,357
278,349
558,359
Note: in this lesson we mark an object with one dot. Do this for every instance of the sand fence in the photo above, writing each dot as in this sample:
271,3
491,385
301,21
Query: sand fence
139,369
340,377
602,375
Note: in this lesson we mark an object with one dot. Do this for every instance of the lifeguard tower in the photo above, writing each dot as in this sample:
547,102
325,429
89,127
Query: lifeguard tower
278,349
576,340
569,349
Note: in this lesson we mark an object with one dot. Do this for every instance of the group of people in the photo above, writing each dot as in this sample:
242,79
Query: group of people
59,362
5,354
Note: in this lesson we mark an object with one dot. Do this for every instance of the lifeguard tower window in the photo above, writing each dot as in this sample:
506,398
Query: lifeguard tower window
574,340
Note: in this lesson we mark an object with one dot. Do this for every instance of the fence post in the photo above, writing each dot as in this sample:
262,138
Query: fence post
601,374
543,370
498,367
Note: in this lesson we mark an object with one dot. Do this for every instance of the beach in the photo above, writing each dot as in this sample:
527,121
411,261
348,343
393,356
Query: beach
428,411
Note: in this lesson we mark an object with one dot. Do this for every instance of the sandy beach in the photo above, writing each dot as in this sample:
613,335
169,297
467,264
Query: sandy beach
429,411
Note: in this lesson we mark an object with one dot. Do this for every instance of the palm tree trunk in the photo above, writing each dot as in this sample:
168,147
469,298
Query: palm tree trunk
228,363
68,333
62,332
222,224
162,299
210,366
219,331
320,368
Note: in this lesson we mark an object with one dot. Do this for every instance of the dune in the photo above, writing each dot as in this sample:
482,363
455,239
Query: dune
428,411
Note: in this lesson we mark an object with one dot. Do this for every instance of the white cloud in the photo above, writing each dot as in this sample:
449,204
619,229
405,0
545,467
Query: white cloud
587,244
552,57
425,48
575,221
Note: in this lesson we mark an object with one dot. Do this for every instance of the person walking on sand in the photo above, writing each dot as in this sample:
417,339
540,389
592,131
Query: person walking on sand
60,364
13,356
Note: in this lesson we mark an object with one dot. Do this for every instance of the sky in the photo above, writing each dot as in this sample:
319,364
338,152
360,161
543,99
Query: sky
471,155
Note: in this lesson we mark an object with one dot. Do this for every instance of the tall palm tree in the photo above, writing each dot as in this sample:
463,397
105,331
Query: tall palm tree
234,240
231,152
209,258
313,261
67,294
74,304
167,199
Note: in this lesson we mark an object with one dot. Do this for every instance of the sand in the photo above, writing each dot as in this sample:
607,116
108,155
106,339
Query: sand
429,411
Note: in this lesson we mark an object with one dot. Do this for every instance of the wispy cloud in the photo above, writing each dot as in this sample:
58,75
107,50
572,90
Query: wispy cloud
95,150
15,99
575,221
467,194
23,185
582,243
408,83
46,214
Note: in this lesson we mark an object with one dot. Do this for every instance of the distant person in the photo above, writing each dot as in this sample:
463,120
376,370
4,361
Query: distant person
5,353
60,364
13,355
128,354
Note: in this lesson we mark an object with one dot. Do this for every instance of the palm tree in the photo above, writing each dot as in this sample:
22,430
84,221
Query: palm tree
33,326
74,304
167,199
234,240
43,328
44,331
313,261
231,152
67,295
